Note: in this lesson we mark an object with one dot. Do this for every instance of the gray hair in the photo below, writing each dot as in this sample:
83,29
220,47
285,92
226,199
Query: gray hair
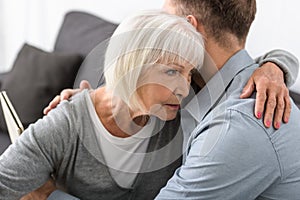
144,39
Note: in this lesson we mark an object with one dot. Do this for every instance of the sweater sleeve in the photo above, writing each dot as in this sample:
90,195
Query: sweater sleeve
286,61
29,162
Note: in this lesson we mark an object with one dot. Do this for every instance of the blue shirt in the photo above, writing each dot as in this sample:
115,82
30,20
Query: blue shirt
230,154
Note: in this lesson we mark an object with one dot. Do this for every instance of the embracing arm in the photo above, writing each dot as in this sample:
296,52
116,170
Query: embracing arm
286,61
272,97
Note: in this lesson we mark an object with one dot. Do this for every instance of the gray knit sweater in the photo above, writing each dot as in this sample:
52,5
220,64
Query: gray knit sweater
63,144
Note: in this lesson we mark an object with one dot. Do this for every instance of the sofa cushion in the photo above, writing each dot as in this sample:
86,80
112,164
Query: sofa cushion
81,32
2,76
92,67
36,77
4,141
296,97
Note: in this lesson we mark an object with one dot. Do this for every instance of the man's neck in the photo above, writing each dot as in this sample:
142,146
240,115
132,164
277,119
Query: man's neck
220,55
216,57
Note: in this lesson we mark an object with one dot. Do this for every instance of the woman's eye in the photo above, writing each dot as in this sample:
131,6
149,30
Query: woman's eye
171,72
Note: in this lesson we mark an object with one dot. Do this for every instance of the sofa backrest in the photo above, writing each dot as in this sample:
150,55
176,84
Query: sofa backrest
80,33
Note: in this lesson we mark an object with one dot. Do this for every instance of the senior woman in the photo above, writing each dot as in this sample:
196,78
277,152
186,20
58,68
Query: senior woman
107,144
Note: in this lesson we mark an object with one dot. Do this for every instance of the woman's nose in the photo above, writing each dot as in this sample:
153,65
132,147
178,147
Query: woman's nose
183,87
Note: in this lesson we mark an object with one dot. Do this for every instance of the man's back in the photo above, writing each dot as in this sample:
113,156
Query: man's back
277,152
230,154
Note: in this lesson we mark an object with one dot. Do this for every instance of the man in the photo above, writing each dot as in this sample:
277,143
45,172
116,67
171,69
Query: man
230,154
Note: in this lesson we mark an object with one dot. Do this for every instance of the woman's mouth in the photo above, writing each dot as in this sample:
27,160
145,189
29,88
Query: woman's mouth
173,106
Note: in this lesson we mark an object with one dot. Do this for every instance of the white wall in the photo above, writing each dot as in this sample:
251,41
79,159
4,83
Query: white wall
37,22
276,26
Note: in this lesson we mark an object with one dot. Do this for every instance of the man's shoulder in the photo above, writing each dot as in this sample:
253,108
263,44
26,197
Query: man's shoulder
230,116
231,121
232,106
245,107
233,132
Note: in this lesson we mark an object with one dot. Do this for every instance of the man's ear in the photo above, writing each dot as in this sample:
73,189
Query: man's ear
198,25
192,20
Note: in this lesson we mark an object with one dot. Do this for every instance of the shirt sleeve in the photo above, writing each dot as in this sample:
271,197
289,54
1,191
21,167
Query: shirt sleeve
225,162
287,62
29,162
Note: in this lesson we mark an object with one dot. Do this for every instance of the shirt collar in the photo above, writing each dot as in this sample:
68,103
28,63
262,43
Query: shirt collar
208,96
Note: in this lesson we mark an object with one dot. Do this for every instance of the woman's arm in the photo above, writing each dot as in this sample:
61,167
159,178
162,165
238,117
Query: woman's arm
29,162
286,61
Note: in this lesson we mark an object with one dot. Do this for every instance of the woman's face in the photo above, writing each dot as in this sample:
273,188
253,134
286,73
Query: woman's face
161,88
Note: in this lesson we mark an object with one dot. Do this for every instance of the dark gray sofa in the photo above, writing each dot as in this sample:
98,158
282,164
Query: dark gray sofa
79,33
296,97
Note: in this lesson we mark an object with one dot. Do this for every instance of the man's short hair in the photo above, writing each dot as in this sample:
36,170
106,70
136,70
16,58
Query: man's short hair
220,16
145,39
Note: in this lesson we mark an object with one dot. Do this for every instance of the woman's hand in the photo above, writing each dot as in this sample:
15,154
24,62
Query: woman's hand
272,97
